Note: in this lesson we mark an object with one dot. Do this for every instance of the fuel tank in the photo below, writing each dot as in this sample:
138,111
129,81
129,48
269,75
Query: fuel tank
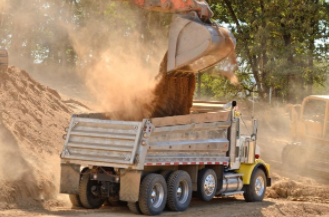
195,46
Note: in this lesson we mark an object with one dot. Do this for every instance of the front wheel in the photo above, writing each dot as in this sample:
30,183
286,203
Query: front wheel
207,184
255,191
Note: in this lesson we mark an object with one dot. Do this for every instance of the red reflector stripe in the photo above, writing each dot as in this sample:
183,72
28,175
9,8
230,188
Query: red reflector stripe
185,163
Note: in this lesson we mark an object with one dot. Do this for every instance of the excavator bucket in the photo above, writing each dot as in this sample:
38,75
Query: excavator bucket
195,45
3,60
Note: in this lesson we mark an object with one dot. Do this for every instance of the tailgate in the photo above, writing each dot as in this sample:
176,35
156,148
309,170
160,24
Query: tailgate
101,142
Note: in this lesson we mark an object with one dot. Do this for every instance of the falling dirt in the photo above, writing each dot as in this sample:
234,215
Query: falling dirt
173,93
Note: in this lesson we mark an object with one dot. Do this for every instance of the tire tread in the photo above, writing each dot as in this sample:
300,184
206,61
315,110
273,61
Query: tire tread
171,198
249,193
144,191
83,193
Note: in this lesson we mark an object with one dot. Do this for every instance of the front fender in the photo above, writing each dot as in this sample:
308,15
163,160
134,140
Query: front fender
248,169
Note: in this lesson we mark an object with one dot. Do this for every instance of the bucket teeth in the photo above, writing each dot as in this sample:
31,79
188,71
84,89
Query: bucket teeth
195,46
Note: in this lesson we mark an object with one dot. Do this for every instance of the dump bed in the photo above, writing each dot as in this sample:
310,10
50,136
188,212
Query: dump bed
178,140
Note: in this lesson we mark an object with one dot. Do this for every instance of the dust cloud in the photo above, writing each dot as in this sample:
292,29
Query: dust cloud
121,76
124,83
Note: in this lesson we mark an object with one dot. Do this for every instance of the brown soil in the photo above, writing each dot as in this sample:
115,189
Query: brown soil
305,189
173,93
32,119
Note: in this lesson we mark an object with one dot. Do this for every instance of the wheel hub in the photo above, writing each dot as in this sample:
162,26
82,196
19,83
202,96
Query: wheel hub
209,185
182,192
94,190
179,191
157,195
259,186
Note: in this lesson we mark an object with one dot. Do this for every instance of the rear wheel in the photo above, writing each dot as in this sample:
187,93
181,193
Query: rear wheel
153,194
134,207
166,174
207,184
89,193
255,191
179,191
75,200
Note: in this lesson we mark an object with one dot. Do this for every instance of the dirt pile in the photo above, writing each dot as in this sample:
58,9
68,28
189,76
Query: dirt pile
32,119
304,189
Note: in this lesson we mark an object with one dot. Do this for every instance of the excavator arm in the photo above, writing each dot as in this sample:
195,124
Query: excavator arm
177,6
195,42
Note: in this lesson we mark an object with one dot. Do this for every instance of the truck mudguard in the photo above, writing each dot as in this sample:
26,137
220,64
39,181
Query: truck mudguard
70,177
248,169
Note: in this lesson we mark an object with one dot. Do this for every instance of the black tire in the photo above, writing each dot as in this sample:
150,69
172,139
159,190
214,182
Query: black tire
152,194
166,174
134,207
75,200
179,191
87,198
207,184
255,191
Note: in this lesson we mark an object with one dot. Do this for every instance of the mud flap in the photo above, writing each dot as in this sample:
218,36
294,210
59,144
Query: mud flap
129,185
195,46
70,177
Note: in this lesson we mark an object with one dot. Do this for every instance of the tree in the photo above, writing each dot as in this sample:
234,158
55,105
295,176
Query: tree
277,39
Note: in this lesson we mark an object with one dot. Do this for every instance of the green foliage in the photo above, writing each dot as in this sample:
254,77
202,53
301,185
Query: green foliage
280,42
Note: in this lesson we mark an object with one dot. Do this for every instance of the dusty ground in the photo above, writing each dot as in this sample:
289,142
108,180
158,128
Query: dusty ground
218,207
34,138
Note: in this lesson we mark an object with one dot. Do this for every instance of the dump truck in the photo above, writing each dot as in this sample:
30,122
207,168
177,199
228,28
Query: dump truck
309,149
161,162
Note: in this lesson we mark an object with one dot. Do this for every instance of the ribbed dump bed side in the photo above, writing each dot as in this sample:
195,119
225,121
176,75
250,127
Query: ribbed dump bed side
101,142
189,139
